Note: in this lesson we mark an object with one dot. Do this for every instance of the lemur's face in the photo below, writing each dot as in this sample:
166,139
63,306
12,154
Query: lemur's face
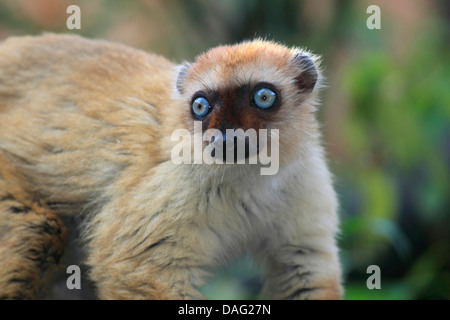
254,85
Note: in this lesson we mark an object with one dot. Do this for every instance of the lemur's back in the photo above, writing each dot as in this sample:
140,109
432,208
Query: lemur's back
74,113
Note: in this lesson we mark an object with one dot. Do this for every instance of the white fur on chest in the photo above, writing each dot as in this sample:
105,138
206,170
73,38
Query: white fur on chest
245,211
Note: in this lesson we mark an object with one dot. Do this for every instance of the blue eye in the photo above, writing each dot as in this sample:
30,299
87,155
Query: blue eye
200,107
264,98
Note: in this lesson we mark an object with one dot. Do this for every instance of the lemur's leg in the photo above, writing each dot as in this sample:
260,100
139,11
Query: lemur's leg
302,258
31,242
303,271
147,252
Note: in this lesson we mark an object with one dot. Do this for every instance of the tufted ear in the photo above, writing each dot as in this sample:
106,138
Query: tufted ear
308,73
182,72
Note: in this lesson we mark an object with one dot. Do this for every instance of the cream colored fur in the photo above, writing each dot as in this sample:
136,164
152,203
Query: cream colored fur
85,129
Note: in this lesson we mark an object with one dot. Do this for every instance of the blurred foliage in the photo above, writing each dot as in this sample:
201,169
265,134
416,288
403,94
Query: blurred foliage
386,116
395,191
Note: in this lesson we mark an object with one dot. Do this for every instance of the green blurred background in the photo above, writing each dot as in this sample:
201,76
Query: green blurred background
385,115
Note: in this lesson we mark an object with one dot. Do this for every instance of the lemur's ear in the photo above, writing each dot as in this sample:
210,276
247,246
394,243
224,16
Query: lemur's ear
182,72
308,73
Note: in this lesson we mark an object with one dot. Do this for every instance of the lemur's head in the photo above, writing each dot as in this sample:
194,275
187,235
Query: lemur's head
252,85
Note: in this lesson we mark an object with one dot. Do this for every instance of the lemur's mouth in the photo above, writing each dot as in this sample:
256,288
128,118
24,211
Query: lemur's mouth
234,149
